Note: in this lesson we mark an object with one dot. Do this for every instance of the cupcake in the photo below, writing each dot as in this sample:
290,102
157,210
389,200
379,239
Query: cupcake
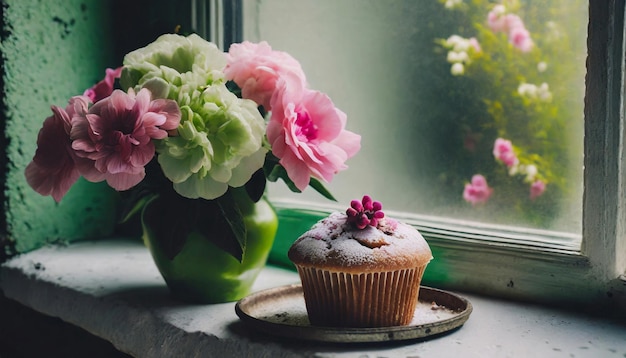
360,268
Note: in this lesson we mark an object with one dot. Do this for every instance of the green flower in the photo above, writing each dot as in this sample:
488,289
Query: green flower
219,143
173,63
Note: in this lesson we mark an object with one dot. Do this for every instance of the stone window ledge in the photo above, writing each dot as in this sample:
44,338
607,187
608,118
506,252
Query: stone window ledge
113,290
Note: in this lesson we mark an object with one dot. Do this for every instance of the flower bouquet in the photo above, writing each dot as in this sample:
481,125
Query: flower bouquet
190,135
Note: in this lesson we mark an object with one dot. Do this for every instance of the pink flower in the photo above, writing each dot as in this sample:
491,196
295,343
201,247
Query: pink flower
477,191
475,44
536,189
365,212
499,21
116,133
104,88
517,32
520,38
307,134
503,151
496,19
512,21
256,69
52,170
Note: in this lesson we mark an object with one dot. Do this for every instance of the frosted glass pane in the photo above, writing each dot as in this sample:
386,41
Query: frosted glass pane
429,114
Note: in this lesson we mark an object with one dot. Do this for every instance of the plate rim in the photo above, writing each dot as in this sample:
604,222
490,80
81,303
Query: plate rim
351,334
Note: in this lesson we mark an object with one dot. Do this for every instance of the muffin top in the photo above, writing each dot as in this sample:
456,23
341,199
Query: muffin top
360,241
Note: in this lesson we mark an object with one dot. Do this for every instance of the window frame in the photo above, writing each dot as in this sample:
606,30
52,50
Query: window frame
532,264
603,200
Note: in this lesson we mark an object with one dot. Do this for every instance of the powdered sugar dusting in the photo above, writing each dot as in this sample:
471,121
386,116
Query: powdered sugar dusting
334,239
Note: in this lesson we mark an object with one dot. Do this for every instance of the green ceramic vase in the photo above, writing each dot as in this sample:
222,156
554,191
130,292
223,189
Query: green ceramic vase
204,273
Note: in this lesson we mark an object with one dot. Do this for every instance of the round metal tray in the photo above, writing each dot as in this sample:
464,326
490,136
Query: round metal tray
281,311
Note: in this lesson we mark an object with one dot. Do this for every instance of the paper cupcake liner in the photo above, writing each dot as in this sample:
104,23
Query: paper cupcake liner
379,299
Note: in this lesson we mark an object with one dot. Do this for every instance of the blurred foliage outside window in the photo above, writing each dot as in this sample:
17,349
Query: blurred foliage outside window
515,90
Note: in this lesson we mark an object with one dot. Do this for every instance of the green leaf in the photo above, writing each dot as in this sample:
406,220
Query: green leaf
236,228
320,188
274,171
232,87
255,187
155,184
135,204
279,172
171,219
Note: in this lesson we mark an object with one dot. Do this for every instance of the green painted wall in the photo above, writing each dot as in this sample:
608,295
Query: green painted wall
51,50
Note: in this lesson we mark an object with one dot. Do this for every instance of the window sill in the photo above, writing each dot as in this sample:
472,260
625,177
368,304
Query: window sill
113,290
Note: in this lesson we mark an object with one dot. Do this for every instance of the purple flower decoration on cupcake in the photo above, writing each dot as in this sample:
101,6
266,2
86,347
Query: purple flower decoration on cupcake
365,212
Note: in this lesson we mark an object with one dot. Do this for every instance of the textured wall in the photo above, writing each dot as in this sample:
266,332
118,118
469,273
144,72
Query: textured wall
51,50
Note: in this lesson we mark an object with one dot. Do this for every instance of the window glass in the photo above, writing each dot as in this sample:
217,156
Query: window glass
448,96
